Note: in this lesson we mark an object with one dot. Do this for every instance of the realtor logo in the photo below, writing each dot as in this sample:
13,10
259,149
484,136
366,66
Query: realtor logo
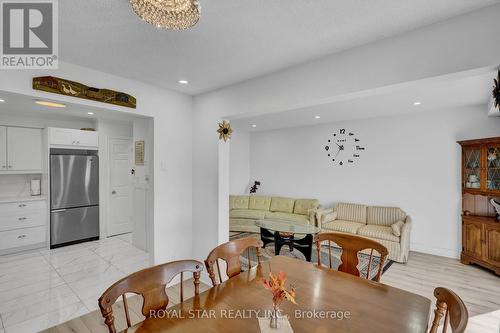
29,34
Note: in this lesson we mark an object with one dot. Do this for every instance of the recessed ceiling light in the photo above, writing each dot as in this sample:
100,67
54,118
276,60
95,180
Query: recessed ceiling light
90,113
2,100
254,126
417,103
317,117
183,81
50,104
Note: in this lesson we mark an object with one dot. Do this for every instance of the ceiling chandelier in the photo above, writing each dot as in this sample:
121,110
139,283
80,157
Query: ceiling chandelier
169,14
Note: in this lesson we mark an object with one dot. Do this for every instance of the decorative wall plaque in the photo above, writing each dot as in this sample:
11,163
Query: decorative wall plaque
225,131
60,86
496,91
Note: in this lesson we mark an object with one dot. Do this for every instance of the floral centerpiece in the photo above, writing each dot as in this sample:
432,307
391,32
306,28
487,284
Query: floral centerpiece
276,286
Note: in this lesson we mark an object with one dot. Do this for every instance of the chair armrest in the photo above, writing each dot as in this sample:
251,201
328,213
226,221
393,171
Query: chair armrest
325,215
406,229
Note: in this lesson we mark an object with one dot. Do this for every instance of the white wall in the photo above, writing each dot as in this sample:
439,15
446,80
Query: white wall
239,172
411,161
460,44
172,113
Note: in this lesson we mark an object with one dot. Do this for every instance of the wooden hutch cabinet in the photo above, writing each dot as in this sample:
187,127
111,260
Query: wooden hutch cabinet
480,183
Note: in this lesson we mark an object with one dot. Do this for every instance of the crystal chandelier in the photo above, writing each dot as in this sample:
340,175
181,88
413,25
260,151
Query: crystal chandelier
170,14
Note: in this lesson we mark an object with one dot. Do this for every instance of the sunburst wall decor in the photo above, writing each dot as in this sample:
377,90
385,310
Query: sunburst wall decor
225,131
496,91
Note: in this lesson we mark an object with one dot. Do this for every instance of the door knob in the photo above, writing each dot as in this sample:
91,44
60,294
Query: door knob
114,192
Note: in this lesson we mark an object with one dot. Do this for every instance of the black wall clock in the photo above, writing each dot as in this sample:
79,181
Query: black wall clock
344,147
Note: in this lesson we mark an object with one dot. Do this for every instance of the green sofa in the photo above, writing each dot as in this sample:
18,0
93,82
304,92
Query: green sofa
244,210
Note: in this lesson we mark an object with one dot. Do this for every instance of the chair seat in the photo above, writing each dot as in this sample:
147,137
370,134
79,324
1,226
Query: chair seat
343,226
378,232
287,217
247,214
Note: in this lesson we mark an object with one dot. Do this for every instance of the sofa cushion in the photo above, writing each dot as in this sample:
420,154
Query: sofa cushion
384,215
351,212
343,226
238,202
302,206
282,205
243,225
287,217
247,214
378,232
259,203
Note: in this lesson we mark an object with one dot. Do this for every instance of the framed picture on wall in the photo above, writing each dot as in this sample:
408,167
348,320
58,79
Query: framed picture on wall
139,152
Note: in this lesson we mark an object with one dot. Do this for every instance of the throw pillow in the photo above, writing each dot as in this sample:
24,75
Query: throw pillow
396,228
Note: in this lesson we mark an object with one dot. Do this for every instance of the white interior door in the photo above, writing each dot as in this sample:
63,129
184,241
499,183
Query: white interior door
3,148
120,163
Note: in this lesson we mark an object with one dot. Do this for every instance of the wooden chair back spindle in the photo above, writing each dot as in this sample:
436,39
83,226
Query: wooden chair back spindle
453,308
125,307
351,245
150,283
230,253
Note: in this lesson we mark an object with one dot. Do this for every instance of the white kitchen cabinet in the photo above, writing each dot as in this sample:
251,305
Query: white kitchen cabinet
73,138
60,137
3,148
87,139
24,149
19,239
20,149
23,225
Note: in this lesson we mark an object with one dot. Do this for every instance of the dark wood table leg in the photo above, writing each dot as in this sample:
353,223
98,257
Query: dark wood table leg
281,239
304,245
266,236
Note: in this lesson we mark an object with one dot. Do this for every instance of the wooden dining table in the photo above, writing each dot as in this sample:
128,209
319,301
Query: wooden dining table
234,305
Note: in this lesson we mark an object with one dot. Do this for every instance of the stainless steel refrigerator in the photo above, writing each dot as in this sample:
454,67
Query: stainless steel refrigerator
74,196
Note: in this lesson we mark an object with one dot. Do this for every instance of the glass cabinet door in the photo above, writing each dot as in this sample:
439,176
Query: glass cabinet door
472,168
493,168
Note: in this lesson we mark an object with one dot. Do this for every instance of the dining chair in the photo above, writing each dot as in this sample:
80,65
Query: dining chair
453,308
150,283
351,245
230,253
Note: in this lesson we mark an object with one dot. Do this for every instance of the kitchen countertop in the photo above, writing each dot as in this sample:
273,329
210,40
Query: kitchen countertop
23,198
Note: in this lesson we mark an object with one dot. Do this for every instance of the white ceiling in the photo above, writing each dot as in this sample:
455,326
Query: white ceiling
25,106
235,40
435,95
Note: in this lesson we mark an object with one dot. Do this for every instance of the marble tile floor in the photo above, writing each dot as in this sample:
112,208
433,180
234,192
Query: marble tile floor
40,289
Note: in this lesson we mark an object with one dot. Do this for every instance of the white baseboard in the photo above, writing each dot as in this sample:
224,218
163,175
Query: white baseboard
442,252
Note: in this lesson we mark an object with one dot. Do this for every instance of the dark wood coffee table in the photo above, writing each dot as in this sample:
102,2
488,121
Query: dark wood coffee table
283,232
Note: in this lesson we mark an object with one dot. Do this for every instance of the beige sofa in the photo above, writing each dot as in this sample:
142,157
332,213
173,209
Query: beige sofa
244,210
389,226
